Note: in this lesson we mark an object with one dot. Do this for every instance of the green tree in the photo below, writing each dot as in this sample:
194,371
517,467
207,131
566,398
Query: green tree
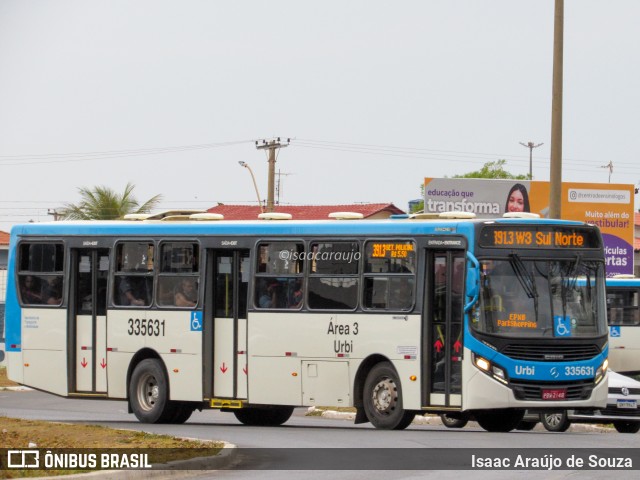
102,203
493,170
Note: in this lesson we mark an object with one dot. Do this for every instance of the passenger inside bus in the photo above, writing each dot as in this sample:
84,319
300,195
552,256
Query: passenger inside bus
186,293
268,294
52,291
28,289
132,291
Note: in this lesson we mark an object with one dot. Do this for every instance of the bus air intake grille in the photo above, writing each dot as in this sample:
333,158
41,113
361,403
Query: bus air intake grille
613,411
551,353
525,390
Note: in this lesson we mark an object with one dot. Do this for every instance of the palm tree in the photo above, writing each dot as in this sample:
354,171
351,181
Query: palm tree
102,203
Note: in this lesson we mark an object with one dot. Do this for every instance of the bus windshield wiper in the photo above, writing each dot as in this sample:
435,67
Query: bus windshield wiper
524,276
526,279
568,282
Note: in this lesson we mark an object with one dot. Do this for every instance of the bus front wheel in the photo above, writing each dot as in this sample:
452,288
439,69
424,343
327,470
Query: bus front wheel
149,393
383,399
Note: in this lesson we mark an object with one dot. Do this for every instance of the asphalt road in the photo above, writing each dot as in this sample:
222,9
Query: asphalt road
322,434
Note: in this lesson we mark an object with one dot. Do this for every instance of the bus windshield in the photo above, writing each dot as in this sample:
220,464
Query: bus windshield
541,298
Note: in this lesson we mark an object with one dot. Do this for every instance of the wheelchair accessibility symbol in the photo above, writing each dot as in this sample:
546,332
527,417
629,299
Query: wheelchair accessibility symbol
561,326
196,321
614,331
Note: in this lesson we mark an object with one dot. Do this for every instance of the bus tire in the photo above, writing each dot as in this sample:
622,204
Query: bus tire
555,421
263,417
382,399
499,420
526,426
182,412
454,421
627,427
149,393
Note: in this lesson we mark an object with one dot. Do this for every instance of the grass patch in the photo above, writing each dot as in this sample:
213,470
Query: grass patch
18,433
4,381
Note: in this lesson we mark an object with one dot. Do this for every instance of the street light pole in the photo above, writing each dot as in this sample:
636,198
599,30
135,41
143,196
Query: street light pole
255,185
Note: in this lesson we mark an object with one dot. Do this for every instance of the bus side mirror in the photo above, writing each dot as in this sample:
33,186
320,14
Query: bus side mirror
472,281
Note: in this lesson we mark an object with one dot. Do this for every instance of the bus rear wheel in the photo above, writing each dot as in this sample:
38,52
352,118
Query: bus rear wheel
182,412
499,420
383,399
149,393
264,417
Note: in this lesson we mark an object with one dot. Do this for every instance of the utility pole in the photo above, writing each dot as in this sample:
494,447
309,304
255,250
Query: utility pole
279,185
271,146
56,215
530,146
555,191
610,167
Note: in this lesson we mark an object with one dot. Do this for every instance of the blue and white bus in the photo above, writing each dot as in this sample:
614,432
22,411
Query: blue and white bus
393,317
623,309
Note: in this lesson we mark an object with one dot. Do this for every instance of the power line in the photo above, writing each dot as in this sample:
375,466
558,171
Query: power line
37,159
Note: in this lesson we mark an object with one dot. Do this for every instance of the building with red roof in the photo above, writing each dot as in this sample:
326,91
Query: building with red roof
369,211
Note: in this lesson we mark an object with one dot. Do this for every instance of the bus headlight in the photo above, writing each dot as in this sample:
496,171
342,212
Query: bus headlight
602,371
491,369
481,363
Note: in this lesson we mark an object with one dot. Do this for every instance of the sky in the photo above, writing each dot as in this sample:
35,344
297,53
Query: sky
373,95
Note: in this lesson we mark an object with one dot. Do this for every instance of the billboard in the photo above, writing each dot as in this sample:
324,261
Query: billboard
607,205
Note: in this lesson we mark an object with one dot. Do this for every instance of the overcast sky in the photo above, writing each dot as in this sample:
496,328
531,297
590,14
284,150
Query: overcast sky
375,96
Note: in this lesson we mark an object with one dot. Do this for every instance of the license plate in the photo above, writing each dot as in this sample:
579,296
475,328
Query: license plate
554,394
627,404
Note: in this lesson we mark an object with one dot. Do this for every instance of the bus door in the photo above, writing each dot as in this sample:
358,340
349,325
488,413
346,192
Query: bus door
228,295
443,327
88,325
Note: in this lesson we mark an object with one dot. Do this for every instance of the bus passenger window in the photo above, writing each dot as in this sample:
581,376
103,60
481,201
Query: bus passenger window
133,285
279,281
178,277
40,274
389,275
333,276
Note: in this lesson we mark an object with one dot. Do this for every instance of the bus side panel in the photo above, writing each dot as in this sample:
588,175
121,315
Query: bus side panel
14,366
275,381
185,372
288,349
44,349
170,335
117,367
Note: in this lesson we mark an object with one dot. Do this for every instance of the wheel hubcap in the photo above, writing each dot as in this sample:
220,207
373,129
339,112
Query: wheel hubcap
384,396
148,392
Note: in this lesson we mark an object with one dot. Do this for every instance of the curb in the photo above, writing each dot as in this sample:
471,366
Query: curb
435,421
